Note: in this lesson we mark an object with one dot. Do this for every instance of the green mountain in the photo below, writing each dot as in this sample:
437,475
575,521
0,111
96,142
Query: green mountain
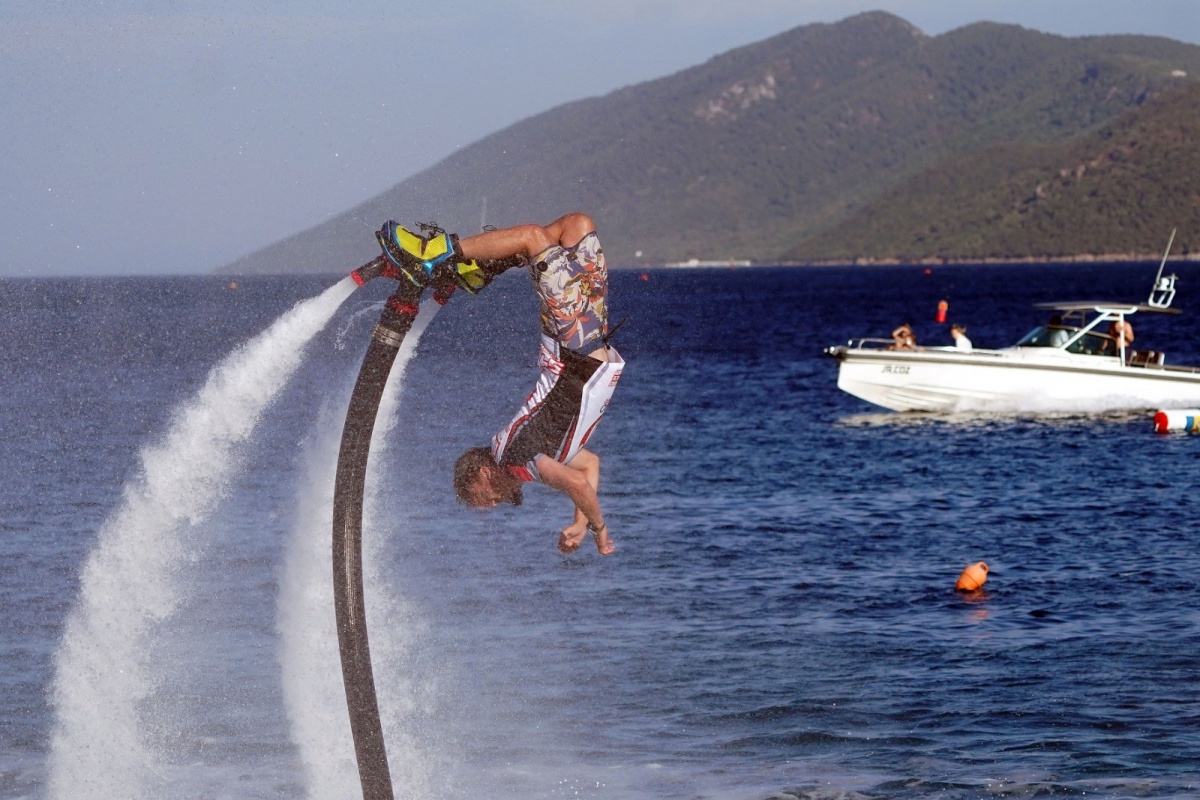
765,146
1116,192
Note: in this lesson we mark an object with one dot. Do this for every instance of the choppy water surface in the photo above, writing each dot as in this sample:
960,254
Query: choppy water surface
780,619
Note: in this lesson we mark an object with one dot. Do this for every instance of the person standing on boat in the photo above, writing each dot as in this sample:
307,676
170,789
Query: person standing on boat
1122,333
579,373
959,334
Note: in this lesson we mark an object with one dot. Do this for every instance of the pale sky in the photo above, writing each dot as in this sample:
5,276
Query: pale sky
174,136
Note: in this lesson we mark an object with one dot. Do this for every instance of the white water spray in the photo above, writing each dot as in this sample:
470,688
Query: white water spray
128,584
312,683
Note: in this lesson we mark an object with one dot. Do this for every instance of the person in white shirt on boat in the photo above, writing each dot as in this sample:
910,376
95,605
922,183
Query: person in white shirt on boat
959,334
1058,334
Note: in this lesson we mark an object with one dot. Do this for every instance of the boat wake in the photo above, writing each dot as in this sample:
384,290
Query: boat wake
969,418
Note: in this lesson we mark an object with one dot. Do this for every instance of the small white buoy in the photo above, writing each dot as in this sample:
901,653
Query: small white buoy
1178,419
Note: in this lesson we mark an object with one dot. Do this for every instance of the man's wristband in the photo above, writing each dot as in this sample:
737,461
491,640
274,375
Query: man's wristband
595,528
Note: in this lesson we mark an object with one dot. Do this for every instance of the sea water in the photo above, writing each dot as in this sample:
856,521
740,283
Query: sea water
779,620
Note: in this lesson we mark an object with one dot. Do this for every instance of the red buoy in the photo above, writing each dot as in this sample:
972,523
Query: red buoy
943,307
1177,419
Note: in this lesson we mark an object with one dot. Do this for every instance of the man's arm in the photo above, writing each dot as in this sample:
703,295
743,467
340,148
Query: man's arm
588,463
574,483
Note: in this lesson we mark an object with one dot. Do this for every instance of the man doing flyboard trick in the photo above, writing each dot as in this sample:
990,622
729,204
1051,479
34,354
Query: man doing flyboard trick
579,368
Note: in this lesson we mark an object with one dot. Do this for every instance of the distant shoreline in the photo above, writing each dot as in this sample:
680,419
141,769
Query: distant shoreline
1106,258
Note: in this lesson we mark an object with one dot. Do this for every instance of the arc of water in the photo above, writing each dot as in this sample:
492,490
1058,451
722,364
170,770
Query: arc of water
128,583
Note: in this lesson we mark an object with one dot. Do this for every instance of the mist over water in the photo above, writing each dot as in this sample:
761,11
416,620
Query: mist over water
132,579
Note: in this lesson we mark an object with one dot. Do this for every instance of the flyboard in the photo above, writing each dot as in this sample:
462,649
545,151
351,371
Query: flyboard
433,262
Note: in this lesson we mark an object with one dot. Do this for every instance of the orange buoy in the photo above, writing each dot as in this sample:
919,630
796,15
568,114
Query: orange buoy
645,276
972,577
943,307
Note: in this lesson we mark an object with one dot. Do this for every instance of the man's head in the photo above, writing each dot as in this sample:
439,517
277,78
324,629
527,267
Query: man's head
480,482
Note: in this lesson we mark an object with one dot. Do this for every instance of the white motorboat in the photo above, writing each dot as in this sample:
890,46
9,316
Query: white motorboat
1070,365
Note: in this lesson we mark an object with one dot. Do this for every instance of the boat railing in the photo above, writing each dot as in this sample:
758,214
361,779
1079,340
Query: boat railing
869,343
1138,359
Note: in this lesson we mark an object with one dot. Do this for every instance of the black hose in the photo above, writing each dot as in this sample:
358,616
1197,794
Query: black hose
395,323
349,605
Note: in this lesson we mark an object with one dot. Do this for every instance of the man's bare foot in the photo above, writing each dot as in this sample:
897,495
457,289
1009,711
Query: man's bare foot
604,545
571,537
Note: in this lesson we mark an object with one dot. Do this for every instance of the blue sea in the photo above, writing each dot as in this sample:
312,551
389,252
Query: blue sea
779,621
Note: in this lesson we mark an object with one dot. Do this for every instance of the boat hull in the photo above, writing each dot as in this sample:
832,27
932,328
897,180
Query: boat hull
1017,379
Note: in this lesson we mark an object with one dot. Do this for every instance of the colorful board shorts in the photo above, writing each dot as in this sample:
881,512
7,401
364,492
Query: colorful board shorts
561,412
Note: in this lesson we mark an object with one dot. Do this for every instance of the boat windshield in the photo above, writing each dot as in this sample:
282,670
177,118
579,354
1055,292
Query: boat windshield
1094,344
1047,336
1089,344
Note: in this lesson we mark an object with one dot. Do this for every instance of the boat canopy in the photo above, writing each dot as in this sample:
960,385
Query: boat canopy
1073,332
1104,307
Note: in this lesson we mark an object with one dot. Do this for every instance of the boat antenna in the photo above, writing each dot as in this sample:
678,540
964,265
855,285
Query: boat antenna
1164,288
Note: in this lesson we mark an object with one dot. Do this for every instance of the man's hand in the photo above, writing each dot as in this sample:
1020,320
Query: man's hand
604,545
572,536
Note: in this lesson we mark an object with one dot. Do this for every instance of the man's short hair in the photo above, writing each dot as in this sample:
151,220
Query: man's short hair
466,471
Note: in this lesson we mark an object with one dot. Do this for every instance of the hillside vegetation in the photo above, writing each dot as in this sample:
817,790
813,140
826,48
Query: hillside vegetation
1116,192
762,151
